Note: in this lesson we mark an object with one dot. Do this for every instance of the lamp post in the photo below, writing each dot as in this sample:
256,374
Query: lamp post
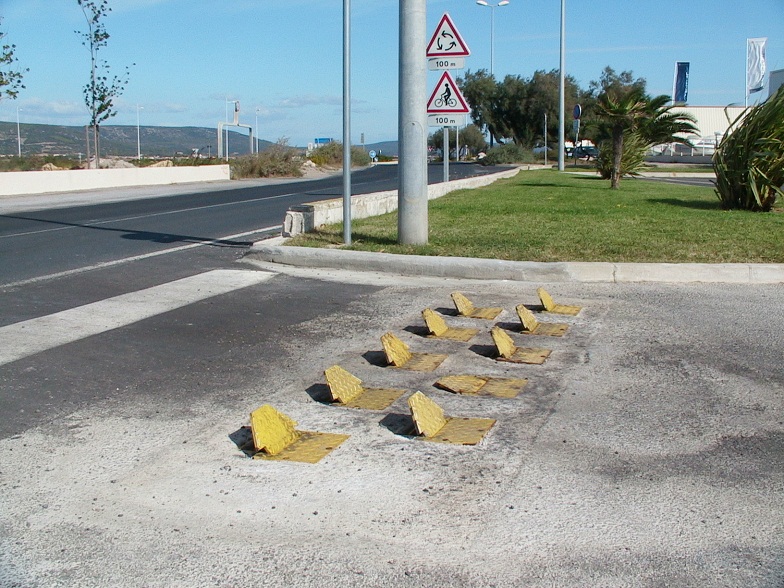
227,120
492,8
347,122
561,89
256,144
18,135
138,134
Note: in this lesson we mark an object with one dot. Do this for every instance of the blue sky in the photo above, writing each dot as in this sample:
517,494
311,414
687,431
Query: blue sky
284,57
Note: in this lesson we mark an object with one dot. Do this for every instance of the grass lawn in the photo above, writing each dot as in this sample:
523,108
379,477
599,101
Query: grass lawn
549,216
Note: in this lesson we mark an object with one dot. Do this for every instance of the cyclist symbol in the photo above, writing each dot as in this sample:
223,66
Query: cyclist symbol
446,98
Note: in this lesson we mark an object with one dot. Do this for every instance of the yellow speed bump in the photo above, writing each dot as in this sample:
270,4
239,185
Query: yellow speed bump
483,385
432,425
275,437
347,390
399,355
438,328
531,326
466,308
508,351
550,306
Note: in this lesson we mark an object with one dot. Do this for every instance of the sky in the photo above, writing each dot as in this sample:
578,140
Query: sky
283,59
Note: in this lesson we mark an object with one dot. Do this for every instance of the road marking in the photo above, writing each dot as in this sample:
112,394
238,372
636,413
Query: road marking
23,339
106,264
89,224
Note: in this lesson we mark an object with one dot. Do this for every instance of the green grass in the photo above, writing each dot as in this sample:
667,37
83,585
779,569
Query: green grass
547,216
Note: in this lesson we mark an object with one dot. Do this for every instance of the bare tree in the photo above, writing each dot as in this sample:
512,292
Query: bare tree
103,88
10,77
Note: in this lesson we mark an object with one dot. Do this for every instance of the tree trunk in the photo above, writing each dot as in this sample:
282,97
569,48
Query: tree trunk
615,178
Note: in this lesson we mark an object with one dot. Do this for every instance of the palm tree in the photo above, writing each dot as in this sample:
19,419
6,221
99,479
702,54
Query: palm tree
620,115
649,120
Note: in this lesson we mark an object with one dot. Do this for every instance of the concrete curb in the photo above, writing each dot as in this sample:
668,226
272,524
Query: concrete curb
304,218
521,271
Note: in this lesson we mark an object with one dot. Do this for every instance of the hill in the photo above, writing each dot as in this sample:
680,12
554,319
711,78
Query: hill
119,141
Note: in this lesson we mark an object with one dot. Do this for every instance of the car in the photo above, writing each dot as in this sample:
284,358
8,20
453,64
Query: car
588,152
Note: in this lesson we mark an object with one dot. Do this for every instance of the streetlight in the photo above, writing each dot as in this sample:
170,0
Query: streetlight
18,135
227,120
492,8
561,89
138,134
256,144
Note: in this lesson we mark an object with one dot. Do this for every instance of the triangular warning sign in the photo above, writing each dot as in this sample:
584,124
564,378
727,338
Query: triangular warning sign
446,41
447,98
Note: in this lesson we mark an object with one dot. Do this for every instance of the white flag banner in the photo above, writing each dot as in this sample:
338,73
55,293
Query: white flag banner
755,64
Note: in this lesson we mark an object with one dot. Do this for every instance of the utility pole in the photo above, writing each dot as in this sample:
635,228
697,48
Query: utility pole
412,124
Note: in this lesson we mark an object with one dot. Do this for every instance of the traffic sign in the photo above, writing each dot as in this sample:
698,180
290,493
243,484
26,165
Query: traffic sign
446,120
446,41
578,111
447,98
441,63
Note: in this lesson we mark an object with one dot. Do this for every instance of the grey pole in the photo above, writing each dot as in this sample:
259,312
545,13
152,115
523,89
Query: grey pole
561,90
446,154
412,124
347,122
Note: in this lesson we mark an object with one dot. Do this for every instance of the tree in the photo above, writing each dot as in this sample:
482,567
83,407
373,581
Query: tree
10,77
625,122
515,107
101,91
471,136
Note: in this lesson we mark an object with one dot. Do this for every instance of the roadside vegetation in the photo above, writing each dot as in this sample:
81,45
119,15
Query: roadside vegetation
749,161
276,160
331,155
549,216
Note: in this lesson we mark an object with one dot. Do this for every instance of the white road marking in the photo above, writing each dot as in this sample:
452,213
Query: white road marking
106,264
23,339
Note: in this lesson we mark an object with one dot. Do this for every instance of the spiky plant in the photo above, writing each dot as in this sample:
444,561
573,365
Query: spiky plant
749,161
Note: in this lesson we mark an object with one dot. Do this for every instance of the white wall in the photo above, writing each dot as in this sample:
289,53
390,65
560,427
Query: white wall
41,182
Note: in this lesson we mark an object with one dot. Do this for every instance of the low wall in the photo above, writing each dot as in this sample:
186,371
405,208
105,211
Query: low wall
41,182
304,218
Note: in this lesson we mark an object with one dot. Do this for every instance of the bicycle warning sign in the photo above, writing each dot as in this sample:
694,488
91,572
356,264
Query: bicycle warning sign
447,98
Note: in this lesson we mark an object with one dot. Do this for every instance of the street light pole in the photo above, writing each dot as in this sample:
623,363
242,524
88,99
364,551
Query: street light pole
347,122
18,135
561,90
256,144
412,221
138,134
492,8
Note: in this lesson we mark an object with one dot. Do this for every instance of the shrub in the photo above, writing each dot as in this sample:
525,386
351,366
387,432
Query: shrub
749,161
507,153
331,154
276,160
632,158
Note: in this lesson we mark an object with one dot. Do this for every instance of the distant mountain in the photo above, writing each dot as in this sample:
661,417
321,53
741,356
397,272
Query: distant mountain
118,140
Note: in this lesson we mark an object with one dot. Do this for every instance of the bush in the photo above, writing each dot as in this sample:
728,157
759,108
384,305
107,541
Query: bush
331,154
632,158
277,160
507,153
749,161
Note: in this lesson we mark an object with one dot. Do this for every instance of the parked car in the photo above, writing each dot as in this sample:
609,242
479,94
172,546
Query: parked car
586,152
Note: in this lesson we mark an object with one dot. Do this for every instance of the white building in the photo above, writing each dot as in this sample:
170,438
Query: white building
712,122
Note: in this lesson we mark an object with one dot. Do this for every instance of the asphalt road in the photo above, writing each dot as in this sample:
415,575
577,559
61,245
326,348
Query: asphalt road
46,242
647,451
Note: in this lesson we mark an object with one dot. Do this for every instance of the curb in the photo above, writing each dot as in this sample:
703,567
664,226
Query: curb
520,271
